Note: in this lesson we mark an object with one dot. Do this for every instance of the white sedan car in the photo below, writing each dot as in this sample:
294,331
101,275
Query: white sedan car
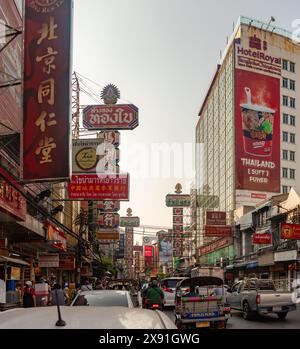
103,298
85,318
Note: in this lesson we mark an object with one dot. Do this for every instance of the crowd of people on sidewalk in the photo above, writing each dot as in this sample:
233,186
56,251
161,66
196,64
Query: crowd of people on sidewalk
57,294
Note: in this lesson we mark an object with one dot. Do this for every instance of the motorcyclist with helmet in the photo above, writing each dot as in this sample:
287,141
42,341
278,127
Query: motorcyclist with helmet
154,296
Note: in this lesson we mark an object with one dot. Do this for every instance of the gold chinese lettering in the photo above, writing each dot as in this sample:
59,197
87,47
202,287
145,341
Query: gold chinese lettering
46,90
48,59
48,31
41,121
45,148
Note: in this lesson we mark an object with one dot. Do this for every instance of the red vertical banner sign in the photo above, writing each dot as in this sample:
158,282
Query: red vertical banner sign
257,131
47,90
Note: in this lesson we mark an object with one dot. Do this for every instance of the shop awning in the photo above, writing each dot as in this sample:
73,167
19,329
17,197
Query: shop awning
13,261
252,265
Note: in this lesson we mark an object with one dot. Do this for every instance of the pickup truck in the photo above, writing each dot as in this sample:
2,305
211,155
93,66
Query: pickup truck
259,296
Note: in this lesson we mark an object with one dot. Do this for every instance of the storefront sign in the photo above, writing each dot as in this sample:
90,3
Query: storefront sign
121,252
290,231
132,222
109,220
261,239
67,262
138,248
49,261
56,237
111,206
286,256
101,187
108,235
47,89
178,200
215,218
217,245
12,201
177,211
86,155
218,231
178,220
111,117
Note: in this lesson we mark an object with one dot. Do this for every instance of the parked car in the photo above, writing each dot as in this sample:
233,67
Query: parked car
85,318
168,285
103,298
255,296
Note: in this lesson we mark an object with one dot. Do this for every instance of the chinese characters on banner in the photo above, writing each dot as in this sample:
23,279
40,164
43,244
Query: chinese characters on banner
47,81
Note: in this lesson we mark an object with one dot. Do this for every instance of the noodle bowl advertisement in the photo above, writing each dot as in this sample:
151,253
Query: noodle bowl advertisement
257,131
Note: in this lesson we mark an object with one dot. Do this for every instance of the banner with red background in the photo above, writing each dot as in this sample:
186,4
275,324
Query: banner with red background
257,131
47,87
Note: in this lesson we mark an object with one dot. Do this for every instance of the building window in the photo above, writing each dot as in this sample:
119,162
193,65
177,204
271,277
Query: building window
292,67
285,119
292,156
293,85
293,138
285,136
293,120
285,82
285,101
285,64
285,155
285,189
284,172
293,102
292,174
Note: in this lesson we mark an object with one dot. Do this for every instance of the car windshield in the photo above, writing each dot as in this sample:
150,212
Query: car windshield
170,283
102,300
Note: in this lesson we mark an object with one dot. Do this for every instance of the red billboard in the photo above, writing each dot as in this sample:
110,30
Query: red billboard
215,218
148,251
261,239
257,131
47,90
290,231
218,231
111,117
101,187
109,220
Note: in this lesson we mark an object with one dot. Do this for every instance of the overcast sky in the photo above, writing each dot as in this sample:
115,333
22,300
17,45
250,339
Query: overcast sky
162,55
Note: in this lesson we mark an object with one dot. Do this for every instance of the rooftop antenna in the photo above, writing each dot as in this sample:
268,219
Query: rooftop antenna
272,19
60,322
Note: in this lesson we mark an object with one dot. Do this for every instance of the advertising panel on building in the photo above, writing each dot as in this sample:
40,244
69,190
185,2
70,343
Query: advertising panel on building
165,244
290,231
47,88
257,105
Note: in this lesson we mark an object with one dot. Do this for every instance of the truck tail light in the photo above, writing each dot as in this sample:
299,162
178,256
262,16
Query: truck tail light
258,299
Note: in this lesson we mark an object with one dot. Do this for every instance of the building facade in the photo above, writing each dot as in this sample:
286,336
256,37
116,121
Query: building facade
247,126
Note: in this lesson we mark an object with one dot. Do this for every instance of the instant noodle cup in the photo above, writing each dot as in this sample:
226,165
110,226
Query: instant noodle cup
258,125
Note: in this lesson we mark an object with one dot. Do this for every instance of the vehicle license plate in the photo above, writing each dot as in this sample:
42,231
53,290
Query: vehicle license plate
202,324
277,308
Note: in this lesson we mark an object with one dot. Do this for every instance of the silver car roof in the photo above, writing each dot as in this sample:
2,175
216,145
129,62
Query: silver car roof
85,318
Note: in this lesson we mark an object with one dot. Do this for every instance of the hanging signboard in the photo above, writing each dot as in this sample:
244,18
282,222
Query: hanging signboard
110,206
99,187
132,222
290,231
178,200
109,220
215,218
85,156
49,261
261,239
47,90
218,231
108,235
111,117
